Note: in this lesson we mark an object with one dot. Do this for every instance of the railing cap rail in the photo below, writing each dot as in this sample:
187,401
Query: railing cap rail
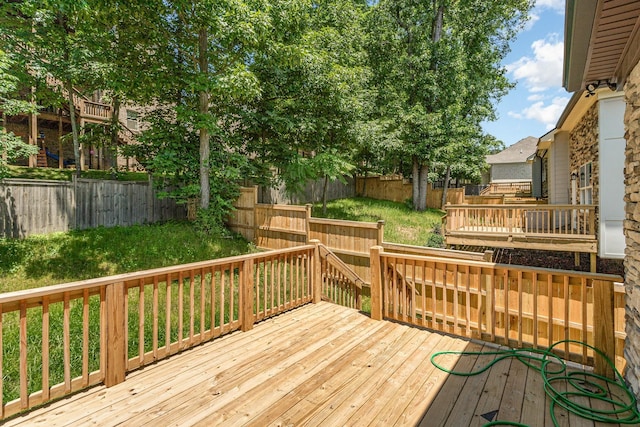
542,206
495,266
359,224
10,297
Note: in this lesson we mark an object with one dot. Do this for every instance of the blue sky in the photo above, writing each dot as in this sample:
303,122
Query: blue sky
535,64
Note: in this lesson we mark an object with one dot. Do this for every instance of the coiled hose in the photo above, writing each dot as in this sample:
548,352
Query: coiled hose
585,384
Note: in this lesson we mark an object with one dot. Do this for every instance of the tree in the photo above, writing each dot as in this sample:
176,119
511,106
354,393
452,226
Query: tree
53,38
11,146
313,77
436,66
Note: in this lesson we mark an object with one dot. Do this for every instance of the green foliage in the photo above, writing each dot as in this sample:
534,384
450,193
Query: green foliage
67,174
437,74
436,239
11,144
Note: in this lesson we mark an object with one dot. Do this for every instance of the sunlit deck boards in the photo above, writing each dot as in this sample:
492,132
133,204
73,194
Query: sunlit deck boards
320,364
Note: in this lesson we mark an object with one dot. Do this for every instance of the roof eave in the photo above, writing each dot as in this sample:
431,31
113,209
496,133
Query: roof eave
579,19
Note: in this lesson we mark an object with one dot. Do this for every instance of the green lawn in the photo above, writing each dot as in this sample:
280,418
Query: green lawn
402,224
84,254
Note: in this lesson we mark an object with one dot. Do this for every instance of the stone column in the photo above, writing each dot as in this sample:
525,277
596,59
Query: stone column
632,229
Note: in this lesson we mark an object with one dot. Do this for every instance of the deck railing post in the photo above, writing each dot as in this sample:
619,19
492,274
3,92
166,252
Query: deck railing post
603,326
380,236
116,348
376,283
317,272
246,295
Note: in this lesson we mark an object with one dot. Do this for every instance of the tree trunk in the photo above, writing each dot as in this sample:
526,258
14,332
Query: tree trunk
203,62
115,126
424,175
74,128
415,183
447,177
324,194
364,183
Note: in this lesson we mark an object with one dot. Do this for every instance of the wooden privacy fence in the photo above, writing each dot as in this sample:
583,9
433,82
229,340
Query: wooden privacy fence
286,226
397,189
39,207
511,305
59,339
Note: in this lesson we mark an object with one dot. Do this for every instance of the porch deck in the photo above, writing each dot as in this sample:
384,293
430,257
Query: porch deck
320,364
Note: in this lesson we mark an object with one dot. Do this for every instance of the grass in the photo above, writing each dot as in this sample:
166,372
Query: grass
402,223
55,174
84,254
65,257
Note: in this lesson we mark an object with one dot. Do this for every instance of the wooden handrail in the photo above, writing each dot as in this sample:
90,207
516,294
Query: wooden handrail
177,307
341,266
522,218
506,304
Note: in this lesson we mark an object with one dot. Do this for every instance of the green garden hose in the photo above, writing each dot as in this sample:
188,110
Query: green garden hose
585,384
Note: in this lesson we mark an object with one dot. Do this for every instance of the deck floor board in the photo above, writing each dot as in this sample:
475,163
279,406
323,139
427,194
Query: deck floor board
320,364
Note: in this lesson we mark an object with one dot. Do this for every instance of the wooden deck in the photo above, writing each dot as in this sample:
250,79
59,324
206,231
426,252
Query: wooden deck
321,364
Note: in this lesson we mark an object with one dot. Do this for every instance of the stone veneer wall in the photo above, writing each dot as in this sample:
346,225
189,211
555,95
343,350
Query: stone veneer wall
583,148
632,229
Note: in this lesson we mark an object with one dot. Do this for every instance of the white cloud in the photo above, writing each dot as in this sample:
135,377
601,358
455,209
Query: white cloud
544,70
546,114
556,5
533,18
535,97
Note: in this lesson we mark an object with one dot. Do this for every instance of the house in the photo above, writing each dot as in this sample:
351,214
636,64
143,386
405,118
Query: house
583,155
512,167
602,48
50,127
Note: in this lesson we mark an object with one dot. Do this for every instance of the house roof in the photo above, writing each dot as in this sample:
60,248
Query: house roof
519,152
602,42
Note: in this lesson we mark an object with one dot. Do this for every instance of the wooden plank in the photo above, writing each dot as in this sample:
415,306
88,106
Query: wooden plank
116,324
24,395
603,320
443,403
514,392
234,382
492,393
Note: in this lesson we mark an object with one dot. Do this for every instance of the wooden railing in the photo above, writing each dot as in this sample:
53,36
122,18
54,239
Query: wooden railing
511,305
60,339
88,109
508,188
566,220
340,284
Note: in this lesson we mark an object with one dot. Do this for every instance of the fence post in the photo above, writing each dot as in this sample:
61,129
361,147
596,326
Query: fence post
246,295
307,222
317,273
380,237
376,283
116,348
603,326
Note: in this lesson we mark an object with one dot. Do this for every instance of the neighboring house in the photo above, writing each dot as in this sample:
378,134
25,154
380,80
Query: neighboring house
513,164
50,130
602,48
584,155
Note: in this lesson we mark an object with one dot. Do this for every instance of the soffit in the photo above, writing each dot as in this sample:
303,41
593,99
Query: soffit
614,42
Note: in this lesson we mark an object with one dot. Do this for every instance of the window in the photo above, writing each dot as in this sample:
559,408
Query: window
584,185
132,120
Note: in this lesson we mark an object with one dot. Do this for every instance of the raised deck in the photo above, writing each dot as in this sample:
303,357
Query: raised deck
567,228
321,364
